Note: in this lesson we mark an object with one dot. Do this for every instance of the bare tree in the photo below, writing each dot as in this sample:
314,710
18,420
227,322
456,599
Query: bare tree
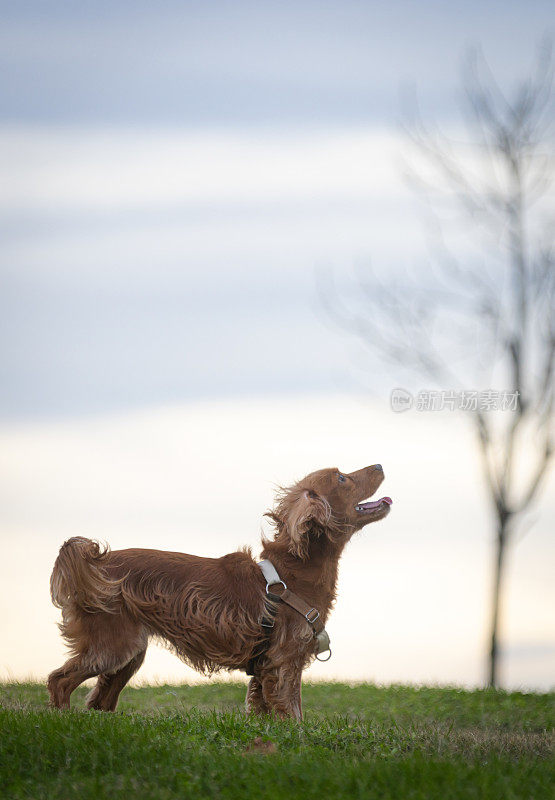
493,305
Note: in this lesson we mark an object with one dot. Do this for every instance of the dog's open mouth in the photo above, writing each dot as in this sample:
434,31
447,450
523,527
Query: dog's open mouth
373,505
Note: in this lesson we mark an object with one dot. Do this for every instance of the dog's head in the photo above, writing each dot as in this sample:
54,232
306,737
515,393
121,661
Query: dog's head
329,502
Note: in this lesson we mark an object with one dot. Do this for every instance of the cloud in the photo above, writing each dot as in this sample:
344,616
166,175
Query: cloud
228,63
87,168
140,267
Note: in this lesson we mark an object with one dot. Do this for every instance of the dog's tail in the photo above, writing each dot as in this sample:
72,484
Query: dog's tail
79,577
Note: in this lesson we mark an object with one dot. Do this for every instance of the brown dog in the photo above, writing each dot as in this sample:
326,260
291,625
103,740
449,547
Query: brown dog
210,609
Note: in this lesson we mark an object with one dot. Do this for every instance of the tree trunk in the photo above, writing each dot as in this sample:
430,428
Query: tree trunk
493,679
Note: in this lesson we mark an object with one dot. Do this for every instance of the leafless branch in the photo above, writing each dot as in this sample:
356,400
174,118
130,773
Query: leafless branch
498,180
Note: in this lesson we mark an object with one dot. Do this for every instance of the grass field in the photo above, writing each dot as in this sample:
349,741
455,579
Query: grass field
357,741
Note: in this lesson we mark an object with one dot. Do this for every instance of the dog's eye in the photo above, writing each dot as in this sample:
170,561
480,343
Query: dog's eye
341,478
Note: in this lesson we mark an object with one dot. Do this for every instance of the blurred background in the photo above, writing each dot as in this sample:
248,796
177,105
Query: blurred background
174,176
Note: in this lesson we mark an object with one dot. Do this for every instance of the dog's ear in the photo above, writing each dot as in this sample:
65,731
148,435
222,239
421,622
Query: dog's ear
304,509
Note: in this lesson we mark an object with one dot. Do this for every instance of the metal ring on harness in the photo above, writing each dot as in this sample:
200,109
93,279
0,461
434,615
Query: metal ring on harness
324,659
275,583
323,644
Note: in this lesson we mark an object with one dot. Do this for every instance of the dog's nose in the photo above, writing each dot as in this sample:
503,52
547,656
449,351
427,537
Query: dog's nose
378,466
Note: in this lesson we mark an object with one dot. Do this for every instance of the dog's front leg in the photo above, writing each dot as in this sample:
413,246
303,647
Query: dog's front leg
281,691
254,701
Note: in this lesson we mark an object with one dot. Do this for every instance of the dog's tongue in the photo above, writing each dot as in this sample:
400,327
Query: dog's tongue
370,506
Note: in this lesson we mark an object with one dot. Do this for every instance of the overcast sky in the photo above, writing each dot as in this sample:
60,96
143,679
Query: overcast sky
171,174
220,63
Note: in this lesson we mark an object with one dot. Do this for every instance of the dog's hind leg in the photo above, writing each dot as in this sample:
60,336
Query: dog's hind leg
64,680
104,696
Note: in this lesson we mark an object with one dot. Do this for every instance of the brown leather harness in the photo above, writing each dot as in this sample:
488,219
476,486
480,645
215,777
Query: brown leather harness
277,592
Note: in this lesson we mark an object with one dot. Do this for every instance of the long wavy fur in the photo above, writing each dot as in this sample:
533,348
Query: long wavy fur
196,622
207,610
79,577
299,512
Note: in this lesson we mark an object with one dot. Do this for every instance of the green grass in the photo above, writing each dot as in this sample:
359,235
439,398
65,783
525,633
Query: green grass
357,741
